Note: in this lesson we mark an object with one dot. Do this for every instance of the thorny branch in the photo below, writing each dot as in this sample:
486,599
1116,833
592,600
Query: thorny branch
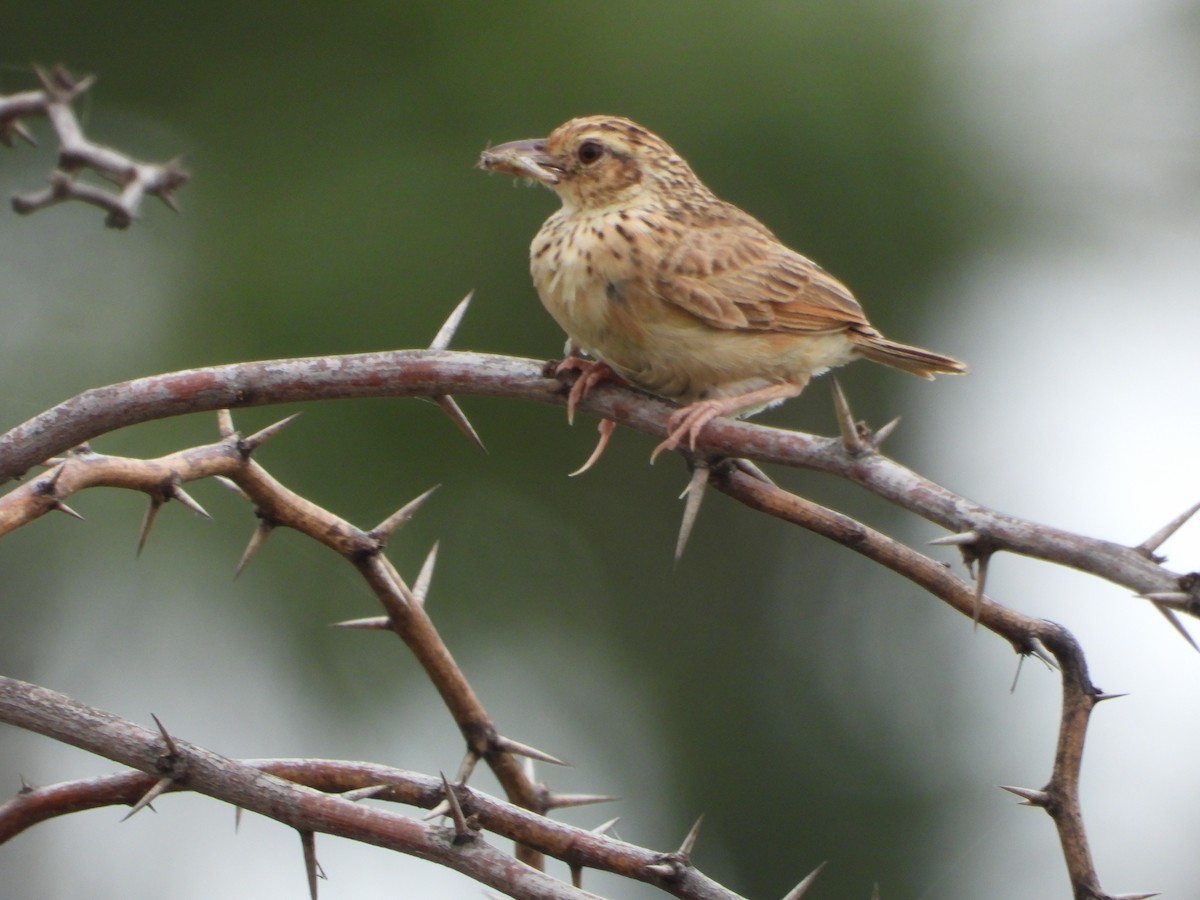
319,795
720,459
276,788
135,180
409,373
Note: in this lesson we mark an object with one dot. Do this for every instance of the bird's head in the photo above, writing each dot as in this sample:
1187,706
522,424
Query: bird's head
598,162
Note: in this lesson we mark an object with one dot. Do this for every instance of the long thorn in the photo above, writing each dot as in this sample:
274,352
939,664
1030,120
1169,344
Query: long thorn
50,483
230,484
459,418
1029,796
364,793
851,440
1170,616
963,537
225,423
695,495
371,623
256,440
461,830
802,888
261,533
1012,688
445,334
753,471
689,842
440,809
884,433
177,492
563,801
1038,649
980,582
466,768
148,523
1166,597
606,827
385,529
63,508
149,797
172,750
24,133
1156,540
308,841
420,588
508,745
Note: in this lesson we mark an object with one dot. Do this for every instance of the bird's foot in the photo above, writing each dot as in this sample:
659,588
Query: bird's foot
688,422
591,373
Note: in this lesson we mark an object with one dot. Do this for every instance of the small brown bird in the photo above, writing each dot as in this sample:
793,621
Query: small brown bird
677,291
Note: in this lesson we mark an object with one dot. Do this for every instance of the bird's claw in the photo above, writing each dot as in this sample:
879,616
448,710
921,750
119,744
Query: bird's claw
605,428
687,423
591,373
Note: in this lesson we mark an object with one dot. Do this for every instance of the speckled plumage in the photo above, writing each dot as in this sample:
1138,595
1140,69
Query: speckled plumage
677,291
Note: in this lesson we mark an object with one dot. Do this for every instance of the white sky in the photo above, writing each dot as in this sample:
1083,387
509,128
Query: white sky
1082,404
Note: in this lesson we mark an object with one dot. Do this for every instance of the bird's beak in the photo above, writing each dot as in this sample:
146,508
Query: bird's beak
525,159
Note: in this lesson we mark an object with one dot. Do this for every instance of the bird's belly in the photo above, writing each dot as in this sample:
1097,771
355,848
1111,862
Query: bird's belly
690,361
670,352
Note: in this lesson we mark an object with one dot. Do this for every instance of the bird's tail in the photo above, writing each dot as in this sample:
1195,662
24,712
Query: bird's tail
921,362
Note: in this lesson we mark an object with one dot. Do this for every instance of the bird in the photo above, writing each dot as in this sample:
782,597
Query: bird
677,292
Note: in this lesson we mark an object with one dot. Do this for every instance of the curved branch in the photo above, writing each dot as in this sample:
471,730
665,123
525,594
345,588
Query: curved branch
1060,796
407,373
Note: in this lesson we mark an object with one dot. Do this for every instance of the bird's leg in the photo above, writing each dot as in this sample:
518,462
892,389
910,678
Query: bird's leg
688,422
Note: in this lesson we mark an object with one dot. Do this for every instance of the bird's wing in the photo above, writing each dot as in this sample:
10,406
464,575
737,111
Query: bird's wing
739,276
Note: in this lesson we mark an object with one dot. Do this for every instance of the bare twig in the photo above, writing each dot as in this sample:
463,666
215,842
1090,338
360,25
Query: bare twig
134,180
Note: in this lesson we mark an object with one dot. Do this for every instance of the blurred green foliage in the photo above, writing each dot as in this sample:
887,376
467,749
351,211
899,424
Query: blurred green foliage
334,209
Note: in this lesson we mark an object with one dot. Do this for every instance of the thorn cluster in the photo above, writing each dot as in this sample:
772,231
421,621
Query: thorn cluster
167,763
976,552
1167,602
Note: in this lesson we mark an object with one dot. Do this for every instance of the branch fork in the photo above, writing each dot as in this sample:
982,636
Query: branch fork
134,180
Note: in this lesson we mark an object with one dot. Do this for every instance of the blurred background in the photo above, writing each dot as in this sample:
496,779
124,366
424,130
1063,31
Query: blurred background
1013,183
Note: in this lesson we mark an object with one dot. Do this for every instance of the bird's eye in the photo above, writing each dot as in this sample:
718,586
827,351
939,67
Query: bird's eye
590,151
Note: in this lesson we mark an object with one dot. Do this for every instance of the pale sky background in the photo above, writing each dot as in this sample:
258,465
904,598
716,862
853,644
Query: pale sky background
1081,408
